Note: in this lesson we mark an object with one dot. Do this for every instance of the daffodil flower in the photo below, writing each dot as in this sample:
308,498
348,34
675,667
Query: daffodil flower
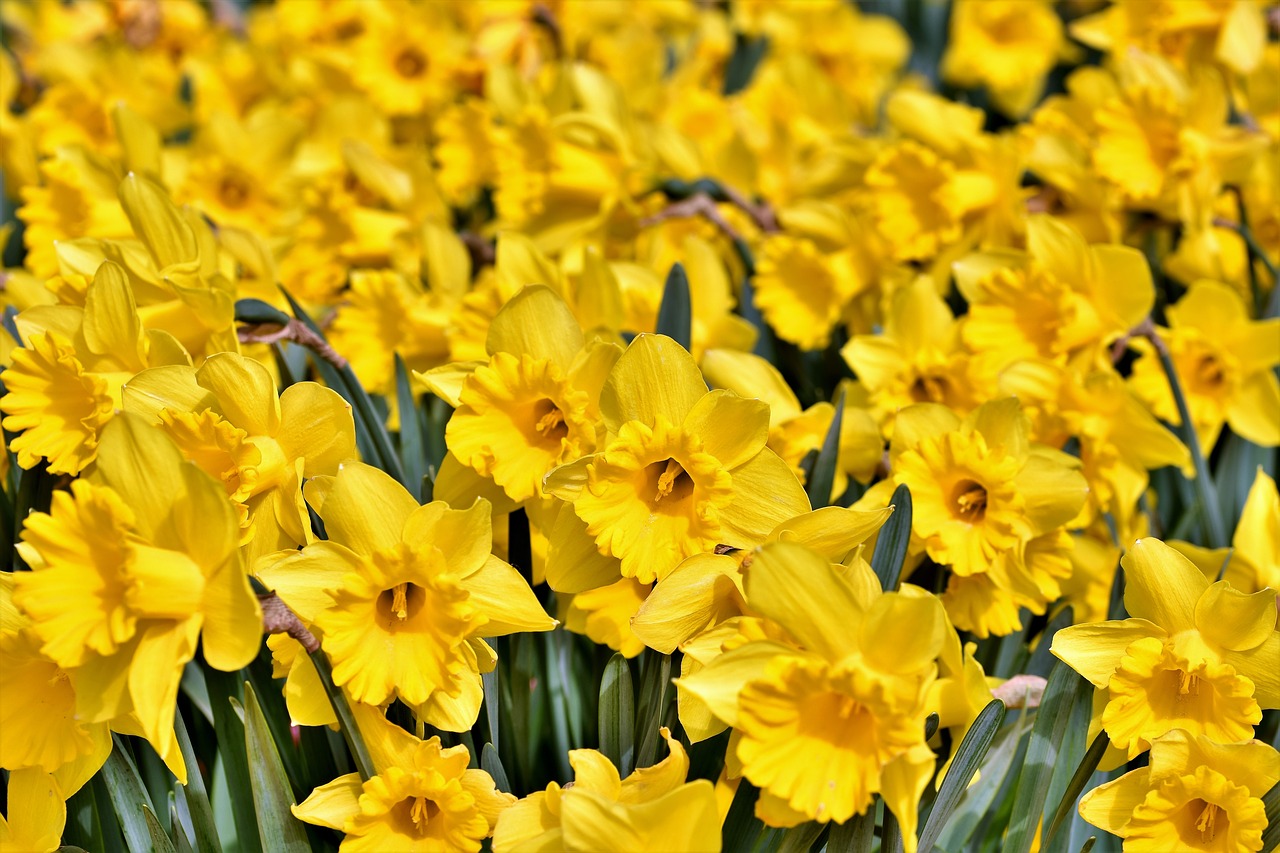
1196,794
1193,655
533,405
226,417
1225,363
652,809
831,711
37,813
403,594
682,470
422,799
131,568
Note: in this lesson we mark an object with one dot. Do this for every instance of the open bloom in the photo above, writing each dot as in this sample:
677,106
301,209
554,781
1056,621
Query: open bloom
533,406
682,470
829,710
131,568
1194,655
404,594
422,799
652,809
1225,362
1194,795
226,418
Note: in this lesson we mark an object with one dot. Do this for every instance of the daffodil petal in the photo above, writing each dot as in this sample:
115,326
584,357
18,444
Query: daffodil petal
466,535
536,322
1110,805
245,390
655,377
232,631
765,494
1161,585
733,429
796,588
364,509
316,425
1094,650
332,804
504,596
719,683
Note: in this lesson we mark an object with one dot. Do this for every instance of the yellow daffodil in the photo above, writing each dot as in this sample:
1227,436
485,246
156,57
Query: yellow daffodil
919,358
1009,47
1193,655
1062,296
709,589
37,813
794,432
1225,364
534,404
403,594
422,799
606,613
1255,556
39,726
1233,32
226,417
64,385
652,809
978,486
1195,795
681,470
802,288
130,568
824,726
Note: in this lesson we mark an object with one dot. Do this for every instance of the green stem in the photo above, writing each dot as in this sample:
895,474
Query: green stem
1204,483
350,730
1256,253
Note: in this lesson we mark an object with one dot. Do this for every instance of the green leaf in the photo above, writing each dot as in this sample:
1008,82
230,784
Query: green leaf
976,801
346,719
413,451
800,838
1042,661
279,829
675,314
490,763
492,704
128,796
1271,835
224,689
160,842
743,62
1067,805
618,715
967,761
855,835
1063,690
1093,839
823,477
891,544
741,827
197,796
655,694
83,827
256,311
181,843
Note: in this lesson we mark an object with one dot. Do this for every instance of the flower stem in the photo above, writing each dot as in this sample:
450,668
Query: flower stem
1204,483
1255,253
350,730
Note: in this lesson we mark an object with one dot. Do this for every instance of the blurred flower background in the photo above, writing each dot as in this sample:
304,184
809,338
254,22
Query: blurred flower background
516,425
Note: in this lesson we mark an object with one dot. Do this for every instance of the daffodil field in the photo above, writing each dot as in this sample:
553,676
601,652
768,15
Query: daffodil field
650,426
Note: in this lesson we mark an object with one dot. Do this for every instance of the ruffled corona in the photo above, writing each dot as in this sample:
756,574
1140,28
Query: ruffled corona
1153,692
1200,811
58,408
818,737
651,494
519,418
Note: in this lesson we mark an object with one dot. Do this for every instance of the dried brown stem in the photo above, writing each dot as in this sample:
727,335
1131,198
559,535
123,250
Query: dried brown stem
277,618
295,331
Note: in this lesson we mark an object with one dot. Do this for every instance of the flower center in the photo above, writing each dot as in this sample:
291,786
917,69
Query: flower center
550,421
1209,371
422,812
1207,820
1188,685
410,63
673,482
929,389
970,501
399,604
233,191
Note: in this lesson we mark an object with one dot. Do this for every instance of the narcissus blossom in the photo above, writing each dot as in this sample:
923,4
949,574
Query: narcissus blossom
1193,655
